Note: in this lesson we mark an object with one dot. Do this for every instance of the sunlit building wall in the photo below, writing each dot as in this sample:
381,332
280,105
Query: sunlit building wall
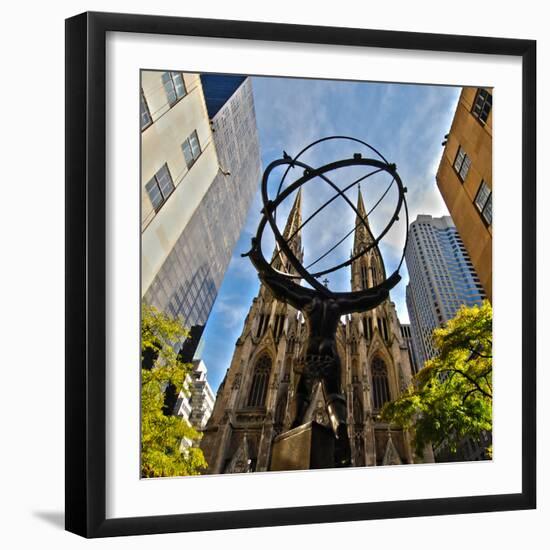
200,169
465,178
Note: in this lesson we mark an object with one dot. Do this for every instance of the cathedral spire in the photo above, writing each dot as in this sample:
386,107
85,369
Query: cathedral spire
292,232
360,203
363,236
368,270
295,217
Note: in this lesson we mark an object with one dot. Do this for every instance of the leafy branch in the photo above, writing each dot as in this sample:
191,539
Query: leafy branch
450,399
162,453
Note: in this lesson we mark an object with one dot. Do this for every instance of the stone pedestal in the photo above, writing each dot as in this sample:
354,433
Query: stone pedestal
307,447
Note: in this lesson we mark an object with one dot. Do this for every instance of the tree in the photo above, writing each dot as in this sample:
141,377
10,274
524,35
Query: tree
161,434
450,399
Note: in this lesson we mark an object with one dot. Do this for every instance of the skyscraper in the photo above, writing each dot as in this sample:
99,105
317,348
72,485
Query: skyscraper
256,400
441,279
200,169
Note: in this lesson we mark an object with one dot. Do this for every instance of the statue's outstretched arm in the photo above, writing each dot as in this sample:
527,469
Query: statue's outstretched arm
282,288
362,302
287,291
367,299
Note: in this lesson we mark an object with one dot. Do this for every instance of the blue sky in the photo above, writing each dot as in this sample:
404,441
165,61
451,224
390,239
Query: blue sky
406,123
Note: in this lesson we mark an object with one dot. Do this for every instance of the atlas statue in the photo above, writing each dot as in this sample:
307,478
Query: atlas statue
322,308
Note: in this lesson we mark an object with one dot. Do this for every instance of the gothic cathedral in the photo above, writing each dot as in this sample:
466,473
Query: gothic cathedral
255,402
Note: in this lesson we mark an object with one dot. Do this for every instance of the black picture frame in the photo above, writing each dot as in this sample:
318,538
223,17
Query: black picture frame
86,269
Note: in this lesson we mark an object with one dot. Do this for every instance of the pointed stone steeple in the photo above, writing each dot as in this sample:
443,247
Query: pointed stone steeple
362,236
295,216
368,270
292,232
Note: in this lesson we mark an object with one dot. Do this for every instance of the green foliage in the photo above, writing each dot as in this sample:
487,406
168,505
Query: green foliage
161,435
451,397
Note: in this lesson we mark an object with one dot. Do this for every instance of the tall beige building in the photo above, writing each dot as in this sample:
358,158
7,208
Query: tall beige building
200,168
178,162
465,178
256,400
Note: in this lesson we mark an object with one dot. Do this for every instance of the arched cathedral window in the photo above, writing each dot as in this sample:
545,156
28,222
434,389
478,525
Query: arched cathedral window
258,389
290,344
385,328
374,276
380,385
367,327
279,325
364,276
262,325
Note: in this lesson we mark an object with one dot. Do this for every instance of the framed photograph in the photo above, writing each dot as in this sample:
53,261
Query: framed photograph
285,245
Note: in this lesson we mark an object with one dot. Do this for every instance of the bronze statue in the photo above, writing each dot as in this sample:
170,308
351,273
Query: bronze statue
322,314
322,309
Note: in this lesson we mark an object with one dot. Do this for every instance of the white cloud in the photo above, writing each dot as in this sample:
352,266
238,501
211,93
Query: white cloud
231,312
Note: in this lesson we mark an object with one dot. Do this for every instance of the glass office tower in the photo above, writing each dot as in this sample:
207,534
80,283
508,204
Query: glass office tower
442,278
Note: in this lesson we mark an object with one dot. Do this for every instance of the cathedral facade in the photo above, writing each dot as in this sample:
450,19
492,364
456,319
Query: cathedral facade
256,400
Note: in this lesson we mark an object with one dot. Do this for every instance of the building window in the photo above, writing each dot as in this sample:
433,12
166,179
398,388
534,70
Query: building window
258,390
191,149
381,389
160,187
146,119
482,105
174,86
462,163
484,203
